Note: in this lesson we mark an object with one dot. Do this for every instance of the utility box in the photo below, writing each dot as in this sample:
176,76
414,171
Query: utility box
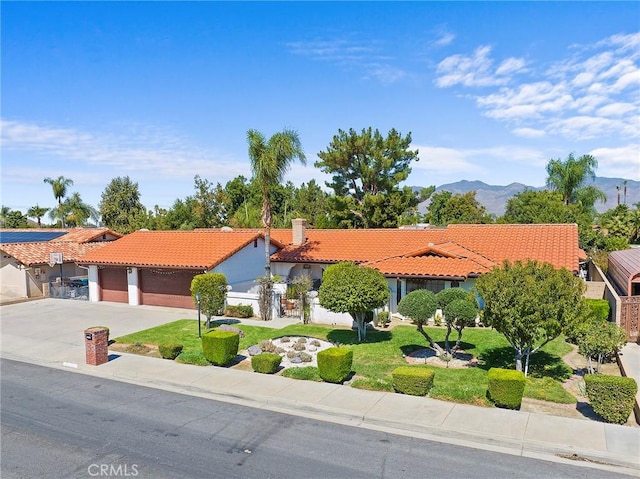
96,342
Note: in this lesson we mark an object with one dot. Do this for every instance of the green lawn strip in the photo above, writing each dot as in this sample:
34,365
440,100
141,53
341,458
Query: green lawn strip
384,350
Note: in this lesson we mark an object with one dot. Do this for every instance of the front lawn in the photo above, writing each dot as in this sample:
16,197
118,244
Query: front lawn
384,350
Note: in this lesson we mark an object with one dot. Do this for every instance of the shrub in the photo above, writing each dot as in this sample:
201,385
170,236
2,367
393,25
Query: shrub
611,397
506,387
413,381
220,347
334,364
599,308
266,363
305,357
267,346
239,311
170,350
383,319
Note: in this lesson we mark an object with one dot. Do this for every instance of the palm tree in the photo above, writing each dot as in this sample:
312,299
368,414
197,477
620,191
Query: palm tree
79,211
270,160
59,186
37,212
568,177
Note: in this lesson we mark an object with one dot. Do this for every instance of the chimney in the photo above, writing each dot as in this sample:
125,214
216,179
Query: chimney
299,226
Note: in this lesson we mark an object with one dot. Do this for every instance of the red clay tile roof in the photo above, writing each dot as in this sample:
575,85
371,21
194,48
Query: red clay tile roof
483,245
86,235
429,266
73,245
199,249
31,254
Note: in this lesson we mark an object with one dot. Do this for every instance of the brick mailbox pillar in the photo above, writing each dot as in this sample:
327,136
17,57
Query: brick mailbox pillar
96,341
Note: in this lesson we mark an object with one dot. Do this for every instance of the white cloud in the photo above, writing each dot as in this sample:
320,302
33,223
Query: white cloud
619,162
529,132
591,94
153,151
365,58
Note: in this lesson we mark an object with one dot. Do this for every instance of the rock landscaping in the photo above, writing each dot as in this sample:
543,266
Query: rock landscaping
296,351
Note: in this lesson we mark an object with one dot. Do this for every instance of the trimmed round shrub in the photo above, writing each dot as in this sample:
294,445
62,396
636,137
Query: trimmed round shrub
170,350
383,319
611,397
220,347
266,363
412,380
506,387
334,364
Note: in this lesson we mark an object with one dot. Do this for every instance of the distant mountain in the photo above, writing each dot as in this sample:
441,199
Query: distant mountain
494,198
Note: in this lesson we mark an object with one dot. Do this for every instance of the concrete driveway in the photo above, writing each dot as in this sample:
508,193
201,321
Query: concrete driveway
53,328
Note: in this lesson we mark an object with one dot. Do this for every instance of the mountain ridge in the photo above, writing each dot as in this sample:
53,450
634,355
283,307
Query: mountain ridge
494,197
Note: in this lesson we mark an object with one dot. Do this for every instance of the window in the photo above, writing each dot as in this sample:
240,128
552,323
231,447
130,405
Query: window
435,285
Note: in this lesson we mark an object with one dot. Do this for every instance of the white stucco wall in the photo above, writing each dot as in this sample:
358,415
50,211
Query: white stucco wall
242,269
12,279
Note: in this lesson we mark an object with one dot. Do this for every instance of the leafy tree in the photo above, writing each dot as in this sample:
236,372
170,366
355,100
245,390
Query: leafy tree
530,304
15,219
213,293
365,165
366,162
4,212
448,208
120,205
357,290
310,202
270,160
569,177
599,339
419,306
460,309
37,212
210,204
59,186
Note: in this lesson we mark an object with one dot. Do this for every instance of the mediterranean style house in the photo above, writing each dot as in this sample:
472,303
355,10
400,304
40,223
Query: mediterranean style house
156,267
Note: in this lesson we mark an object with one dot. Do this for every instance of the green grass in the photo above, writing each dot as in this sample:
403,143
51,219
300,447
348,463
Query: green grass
383,351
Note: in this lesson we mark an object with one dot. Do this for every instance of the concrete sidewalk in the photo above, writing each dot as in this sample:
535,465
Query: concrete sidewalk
49,332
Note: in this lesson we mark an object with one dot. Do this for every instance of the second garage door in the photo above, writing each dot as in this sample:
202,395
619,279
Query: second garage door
167,288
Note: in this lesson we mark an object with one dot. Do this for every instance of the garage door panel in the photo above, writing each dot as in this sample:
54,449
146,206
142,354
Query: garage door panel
167,288
113,282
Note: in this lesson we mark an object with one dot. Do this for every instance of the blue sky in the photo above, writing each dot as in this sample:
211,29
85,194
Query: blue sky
163,91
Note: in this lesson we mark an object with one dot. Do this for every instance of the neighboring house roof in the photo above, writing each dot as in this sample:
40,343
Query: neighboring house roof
624,268
198,249
30,235
455,251
74,244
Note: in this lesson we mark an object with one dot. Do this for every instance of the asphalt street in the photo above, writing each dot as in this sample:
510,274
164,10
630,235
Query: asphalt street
58,424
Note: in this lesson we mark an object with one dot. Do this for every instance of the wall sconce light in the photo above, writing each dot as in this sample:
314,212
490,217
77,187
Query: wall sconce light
306,266
129,269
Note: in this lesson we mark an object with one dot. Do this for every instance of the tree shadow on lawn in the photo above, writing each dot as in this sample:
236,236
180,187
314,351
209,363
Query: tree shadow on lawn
345,336
411,348
541,363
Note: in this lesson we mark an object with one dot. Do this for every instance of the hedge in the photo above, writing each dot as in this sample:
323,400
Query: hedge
266,363
599,307
412,380
239,311
220,347
506,387
611,397
334,364
170,350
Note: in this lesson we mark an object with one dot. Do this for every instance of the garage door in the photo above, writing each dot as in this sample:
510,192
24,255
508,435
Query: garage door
167,288
113,282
